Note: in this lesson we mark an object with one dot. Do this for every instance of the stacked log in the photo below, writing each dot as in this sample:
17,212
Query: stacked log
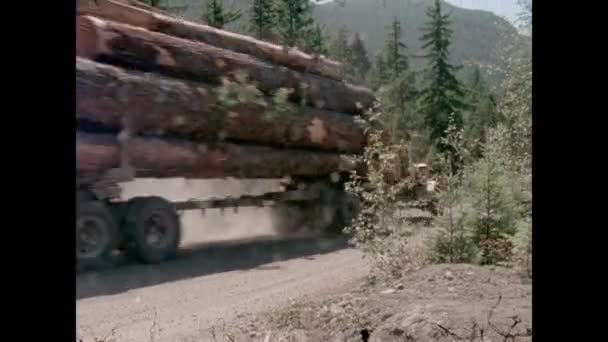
154,104
168,158
138,14
162,82
135,47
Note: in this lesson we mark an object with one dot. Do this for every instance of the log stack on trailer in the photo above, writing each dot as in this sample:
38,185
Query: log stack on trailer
153,99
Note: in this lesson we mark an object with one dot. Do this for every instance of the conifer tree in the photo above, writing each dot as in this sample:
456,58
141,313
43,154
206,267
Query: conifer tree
315,41
263,18
360,60
216,15
396,85
395,58
482,113
339,50
496,208
294,21
442,96
392,60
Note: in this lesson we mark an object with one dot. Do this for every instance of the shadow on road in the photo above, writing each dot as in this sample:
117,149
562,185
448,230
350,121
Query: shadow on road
203,259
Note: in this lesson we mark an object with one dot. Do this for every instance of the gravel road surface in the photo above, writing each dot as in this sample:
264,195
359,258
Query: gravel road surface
209,286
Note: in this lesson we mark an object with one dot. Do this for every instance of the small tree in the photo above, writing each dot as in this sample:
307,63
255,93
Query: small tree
392,60
263,19
340,50
495,209
397,86
315,41
394,52
217,16
379,229
294,20
454,243
482,113
397,99
360,60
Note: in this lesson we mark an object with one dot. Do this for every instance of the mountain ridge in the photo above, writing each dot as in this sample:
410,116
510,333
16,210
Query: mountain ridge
480,37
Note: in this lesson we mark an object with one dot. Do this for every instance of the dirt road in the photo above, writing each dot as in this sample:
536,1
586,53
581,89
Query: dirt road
183,299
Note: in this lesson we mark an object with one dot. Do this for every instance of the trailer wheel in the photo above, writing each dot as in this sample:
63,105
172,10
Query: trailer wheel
152,228
97,235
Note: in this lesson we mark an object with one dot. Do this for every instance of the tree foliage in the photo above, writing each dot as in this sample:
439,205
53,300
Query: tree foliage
396,87
340,50
360,59
392,61
263,18
216,15
442,95
397,99
315,41
482,113
294,21
380,229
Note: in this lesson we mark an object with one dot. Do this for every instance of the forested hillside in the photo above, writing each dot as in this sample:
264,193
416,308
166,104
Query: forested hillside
480,37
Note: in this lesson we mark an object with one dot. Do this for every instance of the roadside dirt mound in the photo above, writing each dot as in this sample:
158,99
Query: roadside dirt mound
438,303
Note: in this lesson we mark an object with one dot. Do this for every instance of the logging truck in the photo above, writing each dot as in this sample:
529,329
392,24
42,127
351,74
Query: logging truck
148,105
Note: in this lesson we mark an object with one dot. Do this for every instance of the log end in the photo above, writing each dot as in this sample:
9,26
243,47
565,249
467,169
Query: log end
87,36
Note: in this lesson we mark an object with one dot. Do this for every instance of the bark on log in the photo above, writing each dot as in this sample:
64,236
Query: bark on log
154,20
160,158
154,104
151,51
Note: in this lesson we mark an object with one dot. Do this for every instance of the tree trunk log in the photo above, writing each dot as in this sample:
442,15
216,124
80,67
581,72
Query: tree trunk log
159,158
157,105
150,51
154,20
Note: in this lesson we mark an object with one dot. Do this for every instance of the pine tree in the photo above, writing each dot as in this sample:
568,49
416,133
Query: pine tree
360,61
454,243
482,113
397,100
396,85
217,16
395,58
495,210
340,51
392,60
263,17
315,41
294,21
442,97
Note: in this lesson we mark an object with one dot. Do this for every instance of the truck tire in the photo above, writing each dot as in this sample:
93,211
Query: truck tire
97,235
152,229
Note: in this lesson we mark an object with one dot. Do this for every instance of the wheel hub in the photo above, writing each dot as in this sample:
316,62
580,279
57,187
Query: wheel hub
91,236
156,231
